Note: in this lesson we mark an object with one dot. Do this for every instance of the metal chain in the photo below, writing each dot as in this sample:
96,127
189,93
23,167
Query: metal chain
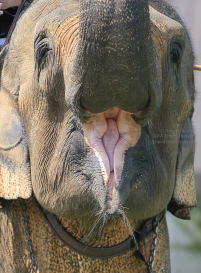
153,246
28,239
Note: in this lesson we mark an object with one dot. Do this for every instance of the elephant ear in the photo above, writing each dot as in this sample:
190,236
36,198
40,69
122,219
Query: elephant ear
14,162
184,196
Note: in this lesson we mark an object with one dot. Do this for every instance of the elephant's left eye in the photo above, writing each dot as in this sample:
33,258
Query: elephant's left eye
175,53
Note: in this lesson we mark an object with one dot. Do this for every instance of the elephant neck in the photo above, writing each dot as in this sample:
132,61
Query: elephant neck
103,248
113,233
34,245
98,232
91,239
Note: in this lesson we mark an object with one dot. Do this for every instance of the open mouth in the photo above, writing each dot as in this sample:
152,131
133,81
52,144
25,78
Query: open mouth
110,134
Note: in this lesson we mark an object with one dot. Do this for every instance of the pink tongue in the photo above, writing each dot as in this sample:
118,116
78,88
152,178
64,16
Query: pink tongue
110,139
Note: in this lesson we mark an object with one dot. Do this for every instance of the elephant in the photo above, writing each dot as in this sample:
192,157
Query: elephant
96,106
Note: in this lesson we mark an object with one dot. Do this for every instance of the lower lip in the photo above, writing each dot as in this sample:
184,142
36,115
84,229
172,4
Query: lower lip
110,134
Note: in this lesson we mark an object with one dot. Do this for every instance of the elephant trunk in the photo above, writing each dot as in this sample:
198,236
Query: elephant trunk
115,64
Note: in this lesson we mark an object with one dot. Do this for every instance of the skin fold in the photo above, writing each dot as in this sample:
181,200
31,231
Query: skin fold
95,122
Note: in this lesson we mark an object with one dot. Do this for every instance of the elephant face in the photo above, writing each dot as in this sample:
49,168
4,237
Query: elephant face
97,109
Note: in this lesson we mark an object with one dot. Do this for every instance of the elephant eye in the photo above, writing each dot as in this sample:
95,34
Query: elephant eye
42,51
175,53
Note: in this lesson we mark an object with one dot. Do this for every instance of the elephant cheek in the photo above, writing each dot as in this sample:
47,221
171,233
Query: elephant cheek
147,184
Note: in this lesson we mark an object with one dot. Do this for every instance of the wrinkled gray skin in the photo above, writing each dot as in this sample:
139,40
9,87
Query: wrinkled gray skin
124,54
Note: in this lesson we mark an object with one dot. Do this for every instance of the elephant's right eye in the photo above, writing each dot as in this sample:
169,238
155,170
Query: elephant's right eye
42,52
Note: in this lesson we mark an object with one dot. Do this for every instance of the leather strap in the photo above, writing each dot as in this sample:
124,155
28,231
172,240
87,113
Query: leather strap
97,252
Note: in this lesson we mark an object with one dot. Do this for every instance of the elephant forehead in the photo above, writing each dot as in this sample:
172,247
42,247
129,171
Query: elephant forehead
166,25
61,32
35,18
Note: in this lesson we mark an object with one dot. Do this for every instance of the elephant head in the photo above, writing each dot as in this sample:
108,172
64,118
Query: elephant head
96,104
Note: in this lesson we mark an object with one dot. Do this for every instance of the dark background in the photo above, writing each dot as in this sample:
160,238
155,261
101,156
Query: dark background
6,20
